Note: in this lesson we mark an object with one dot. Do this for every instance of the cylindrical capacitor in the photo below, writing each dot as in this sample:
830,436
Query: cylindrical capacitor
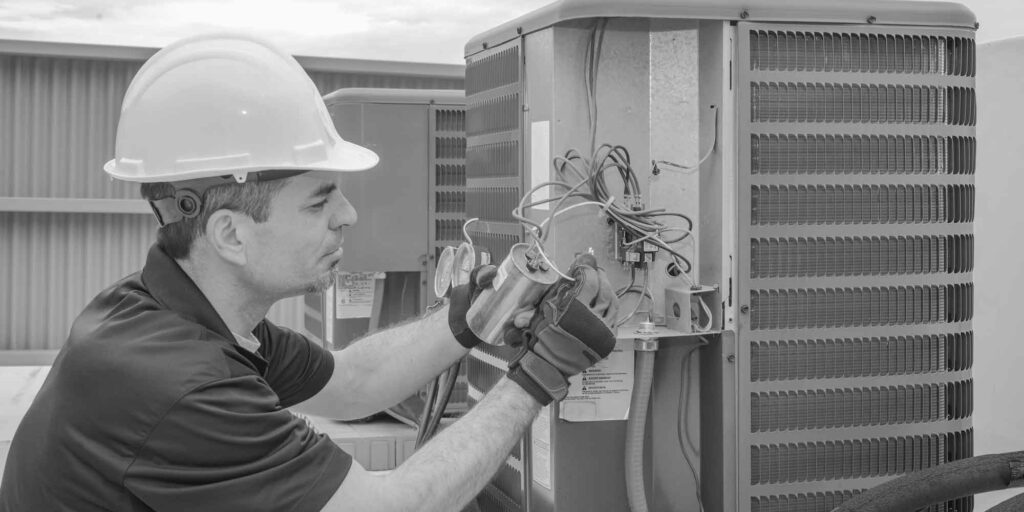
519,284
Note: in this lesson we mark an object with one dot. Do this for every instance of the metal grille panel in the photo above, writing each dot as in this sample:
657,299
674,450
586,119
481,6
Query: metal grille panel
861,154
812,502
447,185
493,71
851,103
866,132
772,50
496,243
853,256
495,115
492,203
856,357
808,462
493,128
861,204
848,407
855,307
500,159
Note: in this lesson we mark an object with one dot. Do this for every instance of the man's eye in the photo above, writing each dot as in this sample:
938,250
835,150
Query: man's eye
319,205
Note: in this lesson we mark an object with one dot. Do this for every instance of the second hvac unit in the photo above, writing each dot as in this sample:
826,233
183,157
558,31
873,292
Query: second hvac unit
409,208
825,153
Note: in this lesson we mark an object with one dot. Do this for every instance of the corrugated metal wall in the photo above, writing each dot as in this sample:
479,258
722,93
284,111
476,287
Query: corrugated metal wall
58,117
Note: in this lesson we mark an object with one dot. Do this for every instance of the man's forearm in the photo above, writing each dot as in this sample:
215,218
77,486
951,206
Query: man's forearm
453,467
388,366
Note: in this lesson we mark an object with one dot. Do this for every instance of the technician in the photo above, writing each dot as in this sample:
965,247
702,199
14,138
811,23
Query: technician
173,392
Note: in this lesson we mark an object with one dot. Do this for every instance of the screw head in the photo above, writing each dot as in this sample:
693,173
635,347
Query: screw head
485,45
731,358
744,309
745,14
519,30
872,19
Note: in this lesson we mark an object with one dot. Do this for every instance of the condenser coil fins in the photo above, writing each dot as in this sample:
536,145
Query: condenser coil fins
494,185
857,158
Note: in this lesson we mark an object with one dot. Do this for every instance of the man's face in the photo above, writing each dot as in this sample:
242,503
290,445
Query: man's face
298,249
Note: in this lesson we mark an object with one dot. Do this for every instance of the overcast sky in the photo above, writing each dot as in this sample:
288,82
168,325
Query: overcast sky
410,30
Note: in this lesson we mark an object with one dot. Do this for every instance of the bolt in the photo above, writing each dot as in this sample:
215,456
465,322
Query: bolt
519,30
731,358
744,309
872,19
977,25
485,45
745,14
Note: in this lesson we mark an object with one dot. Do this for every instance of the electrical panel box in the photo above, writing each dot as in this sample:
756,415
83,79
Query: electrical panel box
824,156
409,208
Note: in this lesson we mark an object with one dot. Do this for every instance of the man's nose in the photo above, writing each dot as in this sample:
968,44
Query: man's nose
344,215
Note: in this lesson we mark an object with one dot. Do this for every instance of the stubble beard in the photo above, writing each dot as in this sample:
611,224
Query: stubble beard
325,281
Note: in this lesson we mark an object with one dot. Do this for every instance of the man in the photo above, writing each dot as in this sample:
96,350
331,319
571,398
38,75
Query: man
171,391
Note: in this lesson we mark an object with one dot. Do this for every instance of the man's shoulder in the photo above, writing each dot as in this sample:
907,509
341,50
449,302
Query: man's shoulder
126,337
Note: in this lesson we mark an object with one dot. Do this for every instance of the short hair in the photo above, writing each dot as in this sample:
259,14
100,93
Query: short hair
251,198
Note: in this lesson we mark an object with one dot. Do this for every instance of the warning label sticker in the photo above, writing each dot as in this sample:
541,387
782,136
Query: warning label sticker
354,294
602,392
540,454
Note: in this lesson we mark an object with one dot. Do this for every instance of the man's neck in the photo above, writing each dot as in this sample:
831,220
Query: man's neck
239,307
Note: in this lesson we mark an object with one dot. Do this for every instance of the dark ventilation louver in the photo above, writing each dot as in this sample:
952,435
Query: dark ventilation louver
858,203
494,185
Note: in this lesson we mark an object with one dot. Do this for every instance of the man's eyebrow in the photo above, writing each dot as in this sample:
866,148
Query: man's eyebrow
324,190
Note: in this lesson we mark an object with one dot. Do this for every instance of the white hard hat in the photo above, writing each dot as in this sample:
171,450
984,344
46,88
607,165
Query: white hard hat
219,105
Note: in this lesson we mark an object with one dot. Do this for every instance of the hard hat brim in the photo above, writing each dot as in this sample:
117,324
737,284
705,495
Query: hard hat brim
345,157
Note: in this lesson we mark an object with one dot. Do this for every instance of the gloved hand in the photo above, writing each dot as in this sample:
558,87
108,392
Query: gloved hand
462,297
571,331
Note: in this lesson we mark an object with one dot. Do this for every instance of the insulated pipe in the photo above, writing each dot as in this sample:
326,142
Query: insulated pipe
636,426
1014,504
941,483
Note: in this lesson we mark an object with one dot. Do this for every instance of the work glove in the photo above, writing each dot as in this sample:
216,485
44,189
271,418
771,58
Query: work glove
571,331
462,298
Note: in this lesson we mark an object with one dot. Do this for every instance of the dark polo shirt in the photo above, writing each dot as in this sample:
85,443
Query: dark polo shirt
151,405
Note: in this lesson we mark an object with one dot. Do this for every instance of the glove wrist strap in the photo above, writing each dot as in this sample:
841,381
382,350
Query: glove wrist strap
539,378
457,309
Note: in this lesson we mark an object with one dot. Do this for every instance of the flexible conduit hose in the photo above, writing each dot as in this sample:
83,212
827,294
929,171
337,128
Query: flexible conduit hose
635,428
942,483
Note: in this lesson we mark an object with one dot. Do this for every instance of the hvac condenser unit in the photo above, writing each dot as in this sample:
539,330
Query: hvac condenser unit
824,152
410,207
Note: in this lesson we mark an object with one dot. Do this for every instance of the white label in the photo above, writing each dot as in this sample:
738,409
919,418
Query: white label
353,297
602,392
540,455
502,274
540,160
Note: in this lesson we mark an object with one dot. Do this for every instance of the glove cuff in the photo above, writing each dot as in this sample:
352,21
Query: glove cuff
459,305
539,378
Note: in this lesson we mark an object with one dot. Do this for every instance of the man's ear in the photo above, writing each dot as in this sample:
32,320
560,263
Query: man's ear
227,234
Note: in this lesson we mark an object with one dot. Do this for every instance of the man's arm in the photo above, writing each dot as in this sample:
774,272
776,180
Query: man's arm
453,467
385,367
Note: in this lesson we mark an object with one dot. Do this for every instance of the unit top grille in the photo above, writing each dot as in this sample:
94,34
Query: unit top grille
857,52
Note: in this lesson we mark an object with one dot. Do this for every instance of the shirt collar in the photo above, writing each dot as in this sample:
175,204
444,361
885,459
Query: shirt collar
173,288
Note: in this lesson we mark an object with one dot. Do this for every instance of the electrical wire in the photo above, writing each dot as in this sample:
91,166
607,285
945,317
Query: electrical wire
682,426
707,312
645,293
685,169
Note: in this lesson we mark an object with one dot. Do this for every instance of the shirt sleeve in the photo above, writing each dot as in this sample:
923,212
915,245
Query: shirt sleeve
297,368
227,446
